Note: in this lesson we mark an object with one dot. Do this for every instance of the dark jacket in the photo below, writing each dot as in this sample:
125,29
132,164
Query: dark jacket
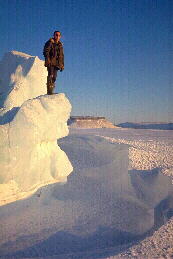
54,54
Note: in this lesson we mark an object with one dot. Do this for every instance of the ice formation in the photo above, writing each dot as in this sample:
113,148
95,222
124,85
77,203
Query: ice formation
23,77
30,127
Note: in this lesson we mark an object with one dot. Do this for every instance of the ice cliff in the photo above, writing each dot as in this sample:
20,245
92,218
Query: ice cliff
22,77
31,123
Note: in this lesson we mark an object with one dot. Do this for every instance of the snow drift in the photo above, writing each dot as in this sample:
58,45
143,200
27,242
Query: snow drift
102,205
30,127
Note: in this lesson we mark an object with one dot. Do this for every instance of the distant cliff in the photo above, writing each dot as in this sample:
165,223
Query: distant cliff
147,125
89,122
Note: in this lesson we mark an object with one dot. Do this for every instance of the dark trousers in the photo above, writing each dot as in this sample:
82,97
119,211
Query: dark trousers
51,78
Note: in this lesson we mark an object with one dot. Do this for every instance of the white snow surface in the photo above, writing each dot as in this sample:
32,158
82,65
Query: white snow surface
102,204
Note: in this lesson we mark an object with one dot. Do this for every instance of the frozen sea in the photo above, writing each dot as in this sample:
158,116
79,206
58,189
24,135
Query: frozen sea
119,193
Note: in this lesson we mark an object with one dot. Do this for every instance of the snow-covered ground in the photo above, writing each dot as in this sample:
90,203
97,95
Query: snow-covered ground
147,148
119,194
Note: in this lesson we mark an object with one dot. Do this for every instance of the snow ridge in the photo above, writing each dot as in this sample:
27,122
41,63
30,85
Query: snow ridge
146,155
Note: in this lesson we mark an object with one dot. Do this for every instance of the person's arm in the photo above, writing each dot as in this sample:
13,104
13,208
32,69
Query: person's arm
46,52
62,58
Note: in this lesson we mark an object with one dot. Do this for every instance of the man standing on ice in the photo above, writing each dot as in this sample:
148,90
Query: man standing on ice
54,59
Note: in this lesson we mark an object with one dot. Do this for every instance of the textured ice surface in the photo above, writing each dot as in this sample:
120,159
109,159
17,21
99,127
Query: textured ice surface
22,77
30,124
30,156
148,149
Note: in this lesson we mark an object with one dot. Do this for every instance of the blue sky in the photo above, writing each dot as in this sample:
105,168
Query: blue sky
118,53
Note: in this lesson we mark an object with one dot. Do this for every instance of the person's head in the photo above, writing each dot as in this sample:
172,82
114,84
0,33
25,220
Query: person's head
57,35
